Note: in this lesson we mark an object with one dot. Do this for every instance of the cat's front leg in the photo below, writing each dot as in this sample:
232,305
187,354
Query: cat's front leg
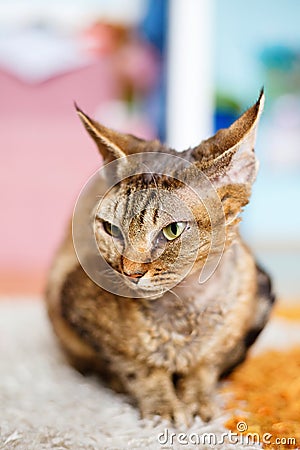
197,391
155,394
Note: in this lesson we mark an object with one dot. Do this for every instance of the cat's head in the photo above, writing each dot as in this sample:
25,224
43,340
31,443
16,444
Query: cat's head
156,221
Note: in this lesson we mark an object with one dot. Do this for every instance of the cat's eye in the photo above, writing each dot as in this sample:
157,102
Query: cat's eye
112,230
173,230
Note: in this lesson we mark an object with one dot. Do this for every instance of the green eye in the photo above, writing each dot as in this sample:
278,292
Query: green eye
173,230
112,230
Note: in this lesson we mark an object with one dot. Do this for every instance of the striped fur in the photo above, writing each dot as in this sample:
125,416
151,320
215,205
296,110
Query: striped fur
167,350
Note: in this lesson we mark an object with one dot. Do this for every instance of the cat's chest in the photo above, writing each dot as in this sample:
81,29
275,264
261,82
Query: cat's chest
174,333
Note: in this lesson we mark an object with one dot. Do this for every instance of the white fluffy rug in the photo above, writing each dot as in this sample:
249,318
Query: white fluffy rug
45,404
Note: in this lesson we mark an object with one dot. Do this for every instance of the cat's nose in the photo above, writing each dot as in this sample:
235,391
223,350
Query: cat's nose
133,270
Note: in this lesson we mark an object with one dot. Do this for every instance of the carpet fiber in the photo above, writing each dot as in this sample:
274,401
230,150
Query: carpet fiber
46,404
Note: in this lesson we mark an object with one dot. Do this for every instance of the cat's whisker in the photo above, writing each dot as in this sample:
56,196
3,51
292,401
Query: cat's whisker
176,295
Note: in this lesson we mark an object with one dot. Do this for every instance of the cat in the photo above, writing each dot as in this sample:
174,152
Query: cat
163,337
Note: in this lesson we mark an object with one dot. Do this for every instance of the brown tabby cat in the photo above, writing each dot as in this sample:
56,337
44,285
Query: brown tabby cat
168,344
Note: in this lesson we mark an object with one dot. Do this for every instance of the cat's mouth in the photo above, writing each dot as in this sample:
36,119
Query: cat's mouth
136,280
145,287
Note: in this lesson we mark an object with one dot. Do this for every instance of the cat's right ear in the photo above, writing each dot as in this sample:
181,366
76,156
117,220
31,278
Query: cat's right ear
110,143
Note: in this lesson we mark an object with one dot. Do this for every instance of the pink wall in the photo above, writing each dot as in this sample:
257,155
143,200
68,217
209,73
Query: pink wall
45,158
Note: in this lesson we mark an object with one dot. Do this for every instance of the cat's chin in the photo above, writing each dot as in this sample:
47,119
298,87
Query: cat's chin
148,292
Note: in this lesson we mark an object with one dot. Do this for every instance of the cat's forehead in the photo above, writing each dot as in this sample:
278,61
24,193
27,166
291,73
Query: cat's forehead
148,201
146,188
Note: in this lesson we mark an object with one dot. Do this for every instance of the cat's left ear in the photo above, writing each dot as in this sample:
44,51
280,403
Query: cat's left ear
229,161
228,157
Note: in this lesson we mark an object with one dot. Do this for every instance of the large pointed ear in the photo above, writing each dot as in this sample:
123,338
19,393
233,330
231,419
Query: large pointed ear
107,140
228,159
111,144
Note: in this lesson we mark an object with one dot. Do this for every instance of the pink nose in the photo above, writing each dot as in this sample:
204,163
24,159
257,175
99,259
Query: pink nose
133,270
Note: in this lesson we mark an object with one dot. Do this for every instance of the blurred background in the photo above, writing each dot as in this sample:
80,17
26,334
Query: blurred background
178,70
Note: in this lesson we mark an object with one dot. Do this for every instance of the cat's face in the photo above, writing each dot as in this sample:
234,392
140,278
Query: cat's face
154,228
152,232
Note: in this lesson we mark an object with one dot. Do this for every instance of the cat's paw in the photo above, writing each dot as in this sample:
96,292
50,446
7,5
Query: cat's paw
200,405
172,411
207,410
